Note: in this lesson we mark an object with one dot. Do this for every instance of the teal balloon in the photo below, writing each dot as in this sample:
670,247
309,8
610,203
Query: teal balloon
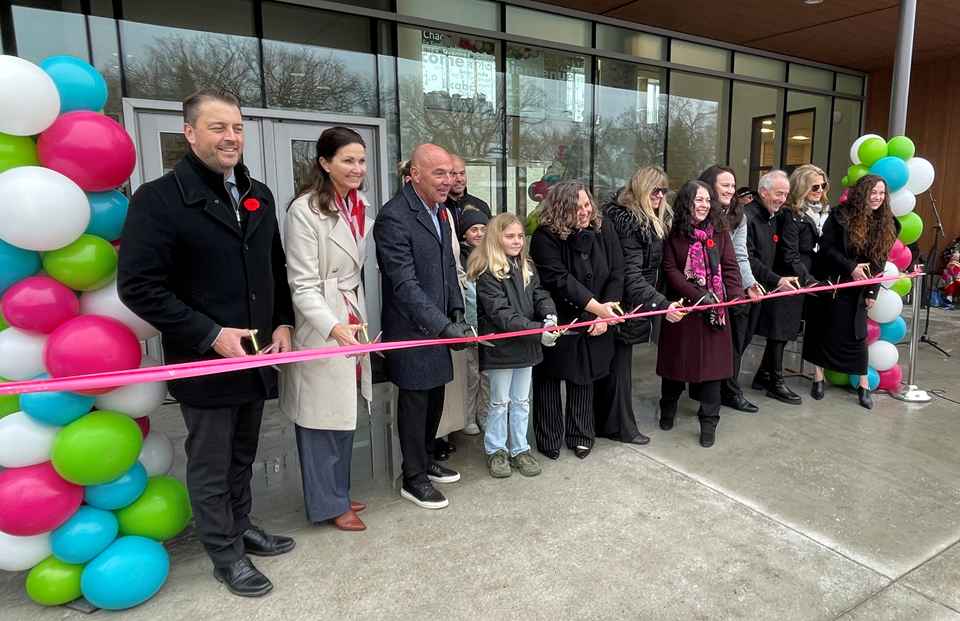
126,574
893,170
16,264
873,379
871,151
119,492
911,226
58,408
893,331
84,536
836,378
108,210
81,87
902,147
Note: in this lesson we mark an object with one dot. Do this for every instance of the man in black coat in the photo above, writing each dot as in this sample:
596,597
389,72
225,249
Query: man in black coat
763,235
202,262
421,299
459,199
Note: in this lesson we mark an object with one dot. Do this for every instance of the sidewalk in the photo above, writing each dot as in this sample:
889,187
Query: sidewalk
819,512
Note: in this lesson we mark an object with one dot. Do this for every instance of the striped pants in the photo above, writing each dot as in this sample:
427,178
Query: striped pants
548,414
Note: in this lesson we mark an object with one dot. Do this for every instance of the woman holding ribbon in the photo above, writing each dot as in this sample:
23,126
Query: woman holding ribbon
325,231
700,268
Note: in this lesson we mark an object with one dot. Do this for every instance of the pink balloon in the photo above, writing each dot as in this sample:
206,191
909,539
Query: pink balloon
91,149
91,344
144,424
873,331
896,250
904,259
843,196
891,378
35,500
39,304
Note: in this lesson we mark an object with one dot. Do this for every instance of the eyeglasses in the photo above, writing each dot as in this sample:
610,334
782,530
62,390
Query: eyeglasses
816,188
659,191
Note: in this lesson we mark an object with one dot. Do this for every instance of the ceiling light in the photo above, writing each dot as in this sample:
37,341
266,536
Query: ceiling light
764,130
768,122
799,137
812,1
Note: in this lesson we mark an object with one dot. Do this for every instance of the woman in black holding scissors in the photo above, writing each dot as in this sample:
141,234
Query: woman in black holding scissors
700,268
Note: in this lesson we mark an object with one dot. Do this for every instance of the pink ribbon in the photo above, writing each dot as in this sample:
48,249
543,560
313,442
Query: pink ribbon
223,365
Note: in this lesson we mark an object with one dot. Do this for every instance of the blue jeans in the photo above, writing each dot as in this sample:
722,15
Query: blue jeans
509,412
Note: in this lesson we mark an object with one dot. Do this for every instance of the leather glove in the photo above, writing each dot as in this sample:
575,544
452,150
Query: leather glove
457,331
457,316
739,309
549,339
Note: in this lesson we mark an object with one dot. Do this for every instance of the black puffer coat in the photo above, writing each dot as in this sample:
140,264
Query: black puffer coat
642,254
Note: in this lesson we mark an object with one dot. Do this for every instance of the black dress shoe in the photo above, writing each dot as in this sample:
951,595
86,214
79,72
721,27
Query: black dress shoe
761,380
424,495
863,396
439,474
707,438
581,452
551,454
640,439
779,391
243,579
440,455
816,390
737,402
259,543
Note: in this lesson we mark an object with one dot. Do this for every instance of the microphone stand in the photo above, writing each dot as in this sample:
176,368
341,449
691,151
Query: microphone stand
937,232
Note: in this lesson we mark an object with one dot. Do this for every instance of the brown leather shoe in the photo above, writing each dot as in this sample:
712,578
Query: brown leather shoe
349,521
357,506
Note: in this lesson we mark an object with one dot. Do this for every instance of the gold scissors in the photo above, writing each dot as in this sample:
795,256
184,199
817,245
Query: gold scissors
481,341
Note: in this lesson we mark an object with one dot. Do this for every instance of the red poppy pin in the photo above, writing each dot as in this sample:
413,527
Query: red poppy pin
775,239
710,243
251,204
443,214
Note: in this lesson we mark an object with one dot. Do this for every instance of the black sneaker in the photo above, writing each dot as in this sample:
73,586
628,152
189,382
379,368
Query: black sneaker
439,474
424,495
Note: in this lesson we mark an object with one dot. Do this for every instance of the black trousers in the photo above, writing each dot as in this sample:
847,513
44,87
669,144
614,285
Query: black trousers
742,328
708,394
548,428
613,398
418,418
221,446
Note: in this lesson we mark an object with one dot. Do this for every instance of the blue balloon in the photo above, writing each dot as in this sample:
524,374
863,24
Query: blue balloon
107,213
81,87
16,264
893,170
55,408
893,331
126,574
873,379
85,535
119,492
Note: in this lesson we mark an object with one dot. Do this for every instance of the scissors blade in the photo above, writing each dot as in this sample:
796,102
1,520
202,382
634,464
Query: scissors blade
374,342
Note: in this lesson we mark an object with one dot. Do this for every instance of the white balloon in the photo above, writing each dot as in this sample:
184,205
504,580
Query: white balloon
889,270
157,454
41,209
887,307
21,354
135,400
921,175
856,146
902,202
24,442
105,301
22,553
883,355
29,101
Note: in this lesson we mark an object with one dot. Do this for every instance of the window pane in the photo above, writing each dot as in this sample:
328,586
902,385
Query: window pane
106,58
759,67
172,63
849,84
221,16
449,88
808,130
696,137
631,123
541,25
339,76
697,55
632,42
548,122
473,13
811,76
42,34
846,129
753,132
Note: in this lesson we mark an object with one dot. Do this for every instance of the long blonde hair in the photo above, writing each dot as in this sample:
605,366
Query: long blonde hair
489,255
558,211
636,197
802,179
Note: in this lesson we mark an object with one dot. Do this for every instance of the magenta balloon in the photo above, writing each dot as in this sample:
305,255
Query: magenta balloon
39,304
91,344
91,149
873,331
890,378
903,260
35,500
896,250
144,424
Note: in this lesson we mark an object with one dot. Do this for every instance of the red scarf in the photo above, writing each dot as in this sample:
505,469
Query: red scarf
355,216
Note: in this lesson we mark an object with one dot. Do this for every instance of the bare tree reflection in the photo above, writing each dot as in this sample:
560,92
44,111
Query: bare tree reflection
693,138
303,77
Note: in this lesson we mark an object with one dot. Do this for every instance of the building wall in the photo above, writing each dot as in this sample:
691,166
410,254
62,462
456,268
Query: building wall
933,123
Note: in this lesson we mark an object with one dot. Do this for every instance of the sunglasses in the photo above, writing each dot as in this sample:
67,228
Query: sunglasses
816,188
659,191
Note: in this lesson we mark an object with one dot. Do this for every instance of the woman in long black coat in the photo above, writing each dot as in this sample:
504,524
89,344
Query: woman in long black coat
856,241
581,266
698,263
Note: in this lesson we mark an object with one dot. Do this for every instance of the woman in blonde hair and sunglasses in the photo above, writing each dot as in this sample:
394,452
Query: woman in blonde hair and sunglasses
641,216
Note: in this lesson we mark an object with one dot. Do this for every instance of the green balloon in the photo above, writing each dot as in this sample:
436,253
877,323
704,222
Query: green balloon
911,227
87,264
161,511
902,147
836,378
17,151
3,324
902,287
846,182
8,403
96,448
855,172
872,151
52,582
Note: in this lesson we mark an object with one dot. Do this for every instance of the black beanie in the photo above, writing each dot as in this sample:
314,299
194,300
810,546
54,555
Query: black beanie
471,217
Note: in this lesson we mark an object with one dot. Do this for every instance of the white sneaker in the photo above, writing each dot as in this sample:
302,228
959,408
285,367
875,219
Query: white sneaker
471,429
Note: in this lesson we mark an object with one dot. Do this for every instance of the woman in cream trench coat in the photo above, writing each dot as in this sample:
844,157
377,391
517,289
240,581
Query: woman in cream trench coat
325,248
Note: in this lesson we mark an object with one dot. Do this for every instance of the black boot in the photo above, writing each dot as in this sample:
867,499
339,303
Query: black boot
761,381
816,390
863,396
708,429
777,389
668,411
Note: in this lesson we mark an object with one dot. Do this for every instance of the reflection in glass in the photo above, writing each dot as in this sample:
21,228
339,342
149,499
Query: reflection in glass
800,139
549,26
106,59
172,149
696,137
631,123
753,131
233,17
631,42
302,153
846,129
812,114
473,13
303,77
41,34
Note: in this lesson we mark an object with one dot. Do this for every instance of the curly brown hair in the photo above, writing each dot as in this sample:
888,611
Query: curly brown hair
558,211
872,231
